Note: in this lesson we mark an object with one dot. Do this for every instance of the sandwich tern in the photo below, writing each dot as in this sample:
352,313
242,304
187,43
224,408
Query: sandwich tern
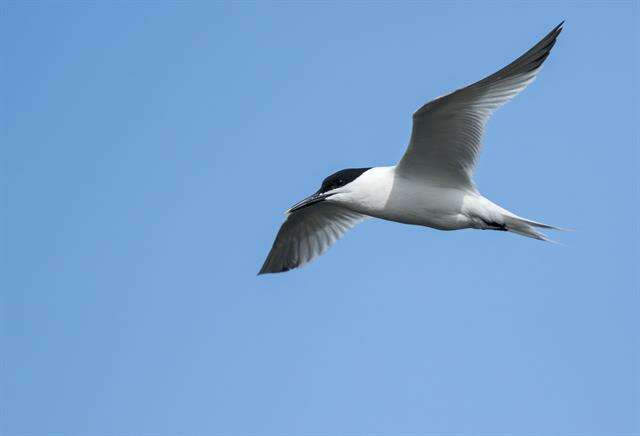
431,186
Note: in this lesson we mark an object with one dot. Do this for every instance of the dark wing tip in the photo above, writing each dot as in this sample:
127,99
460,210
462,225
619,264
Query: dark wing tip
536,56
272,267
529,62
265,266
265,270
556,30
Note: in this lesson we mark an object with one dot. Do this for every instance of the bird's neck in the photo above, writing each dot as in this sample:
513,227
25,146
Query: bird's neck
370,192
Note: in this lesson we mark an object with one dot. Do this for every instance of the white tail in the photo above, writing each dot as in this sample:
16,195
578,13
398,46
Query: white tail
526,227
488,215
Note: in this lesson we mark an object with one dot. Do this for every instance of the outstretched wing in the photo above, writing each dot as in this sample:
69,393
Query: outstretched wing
307,233
447,132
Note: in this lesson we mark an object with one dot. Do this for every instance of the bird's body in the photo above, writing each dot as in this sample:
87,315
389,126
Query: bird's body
431,186
383,193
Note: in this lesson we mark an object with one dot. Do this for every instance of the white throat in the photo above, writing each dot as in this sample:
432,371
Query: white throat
369,193
383,192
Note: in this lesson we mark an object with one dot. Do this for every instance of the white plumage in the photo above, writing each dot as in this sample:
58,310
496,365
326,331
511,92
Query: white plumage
432,185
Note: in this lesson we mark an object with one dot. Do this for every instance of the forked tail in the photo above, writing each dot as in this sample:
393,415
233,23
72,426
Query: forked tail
525,227
485,214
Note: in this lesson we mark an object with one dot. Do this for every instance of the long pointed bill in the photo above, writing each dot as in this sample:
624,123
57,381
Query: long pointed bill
309,201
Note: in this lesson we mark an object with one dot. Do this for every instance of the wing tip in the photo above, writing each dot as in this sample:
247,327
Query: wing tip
269,268
276,266
556,30
542,50
264,270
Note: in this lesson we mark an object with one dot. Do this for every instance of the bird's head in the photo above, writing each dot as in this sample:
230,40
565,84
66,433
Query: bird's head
337,183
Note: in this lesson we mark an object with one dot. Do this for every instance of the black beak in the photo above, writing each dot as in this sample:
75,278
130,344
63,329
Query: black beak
318,196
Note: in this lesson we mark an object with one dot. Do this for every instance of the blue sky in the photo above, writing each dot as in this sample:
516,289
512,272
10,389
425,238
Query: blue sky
150,151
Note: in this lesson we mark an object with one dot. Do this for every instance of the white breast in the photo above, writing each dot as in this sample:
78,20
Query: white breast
382,193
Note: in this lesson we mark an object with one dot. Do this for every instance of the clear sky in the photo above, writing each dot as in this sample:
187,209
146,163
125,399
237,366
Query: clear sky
150,150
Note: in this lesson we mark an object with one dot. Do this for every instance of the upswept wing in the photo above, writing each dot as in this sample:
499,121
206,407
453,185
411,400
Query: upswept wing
447,132
307,233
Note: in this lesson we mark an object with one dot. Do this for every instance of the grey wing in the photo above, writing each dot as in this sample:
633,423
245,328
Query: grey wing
307,233
447,132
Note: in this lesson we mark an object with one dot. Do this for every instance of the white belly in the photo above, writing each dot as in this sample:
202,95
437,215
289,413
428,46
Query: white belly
437,207
382,194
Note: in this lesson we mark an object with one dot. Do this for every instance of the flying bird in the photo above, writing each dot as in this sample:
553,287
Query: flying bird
431,186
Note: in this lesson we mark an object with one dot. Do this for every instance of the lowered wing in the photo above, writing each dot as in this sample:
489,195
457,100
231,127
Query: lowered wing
307,233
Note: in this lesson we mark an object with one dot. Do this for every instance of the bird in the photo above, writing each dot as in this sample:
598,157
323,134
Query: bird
432,184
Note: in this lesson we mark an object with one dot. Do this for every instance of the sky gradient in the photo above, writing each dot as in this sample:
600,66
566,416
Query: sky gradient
151,148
